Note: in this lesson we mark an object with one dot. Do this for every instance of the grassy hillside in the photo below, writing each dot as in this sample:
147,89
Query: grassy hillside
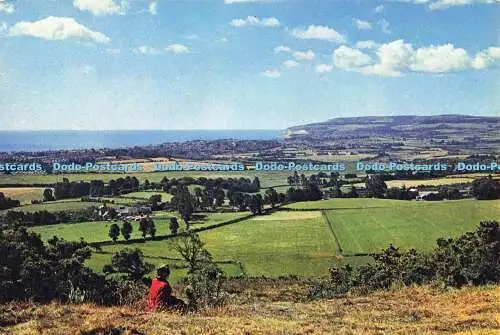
305,242
271,309
405,136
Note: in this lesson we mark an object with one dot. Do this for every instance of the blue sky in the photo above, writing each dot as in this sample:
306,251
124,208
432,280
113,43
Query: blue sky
240,64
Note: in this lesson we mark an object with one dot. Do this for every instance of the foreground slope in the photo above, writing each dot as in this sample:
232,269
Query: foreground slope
273,310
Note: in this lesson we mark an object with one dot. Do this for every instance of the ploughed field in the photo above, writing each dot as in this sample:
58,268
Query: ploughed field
304,239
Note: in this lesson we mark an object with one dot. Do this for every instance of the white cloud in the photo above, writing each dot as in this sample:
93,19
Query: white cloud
255,21
379,9
443,4
6,7
314,32
439,59
350,59
384,25
222,40
324,68
178,49
394,57
145,50
57,29
270,22
362,25
290,64
153,8
271,74
305,55
398,57
365,44
101,7
282,48
485,58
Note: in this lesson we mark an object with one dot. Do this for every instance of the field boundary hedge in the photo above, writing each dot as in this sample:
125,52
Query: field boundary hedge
325,217
169,236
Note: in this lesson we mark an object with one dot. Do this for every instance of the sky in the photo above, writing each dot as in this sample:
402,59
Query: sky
243,64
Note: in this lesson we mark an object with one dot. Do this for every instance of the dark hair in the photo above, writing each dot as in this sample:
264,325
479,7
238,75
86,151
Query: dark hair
163,270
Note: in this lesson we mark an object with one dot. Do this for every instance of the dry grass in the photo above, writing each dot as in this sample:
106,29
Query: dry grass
23,194
408,311
282,215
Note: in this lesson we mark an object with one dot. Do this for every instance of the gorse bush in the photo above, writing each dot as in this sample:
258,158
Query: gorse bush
204,281
472,259
129,263
33,270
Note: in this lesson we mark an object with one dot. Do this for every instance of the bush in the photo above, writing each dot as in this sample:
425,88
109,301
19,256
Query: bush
33,270
471,259
205,280
130,263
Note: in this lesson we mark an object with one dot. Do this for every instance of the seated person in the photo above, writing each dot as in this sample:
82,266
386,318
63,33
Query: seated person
160,293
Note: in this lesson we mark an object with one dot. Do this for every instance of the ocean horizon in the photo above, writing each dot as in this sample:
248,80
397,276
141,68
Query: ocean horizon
42,140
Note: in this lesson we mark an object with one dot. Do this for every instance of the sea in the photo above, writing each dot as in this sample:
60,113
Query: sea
12,141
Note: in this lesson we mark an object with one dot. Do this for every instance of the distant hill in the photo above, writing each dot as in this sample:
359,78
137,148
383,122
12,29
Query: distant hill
400,124
453,133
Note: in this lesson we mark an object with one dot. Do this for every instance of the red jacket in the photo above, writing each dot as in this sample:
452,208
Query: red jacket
159,292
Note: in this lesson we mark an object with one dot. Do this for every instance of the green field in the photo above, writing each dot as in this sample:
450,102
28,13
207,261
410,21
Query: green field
98,231
290,244
55,206
346,203
411,225
302,242
147,194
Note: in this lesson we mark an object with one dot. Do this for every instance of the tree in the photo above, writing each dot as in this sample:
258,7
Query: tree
256,203
375,186
145,225
204,281
313,192
154,200
126,230
237,200
256,184
6,202
174,225
114,232
129,262
183,201
48,195
96,188
152,230
336,191
486,188
271,197
219,197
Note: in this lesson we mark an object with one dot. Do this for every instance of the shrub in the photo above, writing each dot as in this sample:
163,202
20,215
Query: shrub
470,259
205,280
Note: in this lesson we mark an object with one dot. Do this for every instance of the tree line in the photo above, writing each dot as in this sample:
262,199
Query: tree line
7,203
